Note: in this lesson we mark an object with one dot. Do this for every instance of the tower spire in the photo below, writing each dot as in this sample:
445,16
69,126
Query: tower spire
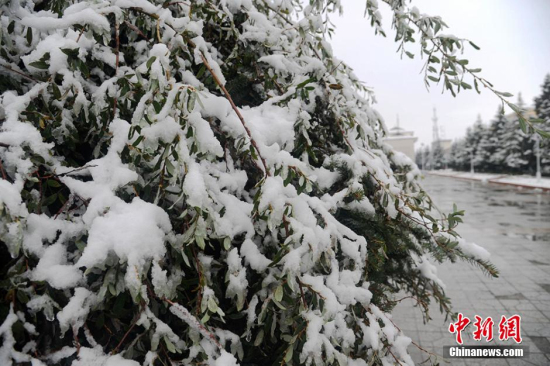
435,130
520,102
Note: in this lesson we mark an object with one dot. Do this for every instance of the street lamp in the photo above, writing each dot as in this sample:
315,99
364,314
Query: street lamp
472,161
537,152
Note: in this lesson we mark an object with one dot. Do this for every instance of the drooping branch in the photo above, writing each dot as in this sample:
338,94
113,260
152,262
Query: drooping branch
237,112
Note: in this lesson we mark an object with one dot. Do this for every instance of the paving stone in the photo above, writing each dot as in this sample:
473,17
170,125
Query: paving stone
516,296
542,343
522,288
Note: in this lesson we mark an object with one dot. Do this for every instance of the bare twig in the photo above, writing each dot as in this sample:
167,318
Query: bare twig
135,29
196,323
241,118
77,342
80,34
414,343
7,67
4,176
62,208
136,318
74,170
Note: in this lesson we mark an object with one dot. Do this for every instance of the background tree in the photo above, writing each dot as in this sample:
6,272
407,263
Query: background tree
419,156
517,145
495,144
542,109
481,145
437,158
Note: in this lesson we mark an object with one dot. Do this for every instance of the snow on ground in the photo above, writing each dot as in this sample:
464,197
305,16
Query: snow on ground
526,181
515,180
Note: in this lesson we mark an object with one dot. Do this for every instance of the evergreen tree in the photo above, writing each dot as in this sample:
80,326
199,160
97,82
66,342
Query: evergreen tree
517,145
453,152
472,140
437,158
422,157
203,183
542,109
418,157
495,146
482,151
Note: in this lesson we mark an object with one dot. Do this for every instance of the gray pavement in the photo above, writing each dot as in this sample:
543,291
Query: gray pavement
514,225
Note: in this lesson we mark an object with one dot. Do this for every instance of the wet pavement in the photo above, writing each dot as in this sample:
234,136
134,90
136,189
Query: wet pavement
514,225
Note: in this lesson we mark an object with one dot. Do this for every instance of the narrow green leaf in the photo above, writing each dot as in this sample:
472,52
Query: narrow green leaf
42,65
504,94
150,61
212,306
169,345
279,305
279,293
289,353
522,123
29,36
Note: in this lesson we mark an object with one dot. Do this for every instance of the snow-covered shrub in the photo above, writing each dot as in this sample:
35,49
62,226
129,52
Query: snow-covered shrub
202,182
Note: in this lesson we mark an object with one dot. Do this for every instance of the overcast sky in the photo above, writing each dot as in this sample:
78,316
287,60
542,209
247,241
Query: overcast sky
514,36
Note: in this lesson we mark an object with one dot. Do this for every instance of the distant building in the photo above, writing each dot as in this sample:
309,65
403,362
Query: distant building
446,146
401,140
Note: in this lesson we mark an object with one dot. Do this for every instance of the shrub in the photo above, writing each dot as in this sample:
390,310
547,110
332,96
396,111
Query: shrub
203,183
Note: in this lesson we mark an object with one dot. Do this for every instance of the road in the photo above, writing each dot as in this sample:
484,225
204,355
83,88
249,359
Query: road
514,225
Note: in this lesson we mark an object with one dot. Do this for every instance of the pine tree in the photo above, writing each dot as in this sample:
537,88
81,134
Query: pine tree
203,183
453,155
496,143
437,158
472,139
418,157
482,143
542,109
517,145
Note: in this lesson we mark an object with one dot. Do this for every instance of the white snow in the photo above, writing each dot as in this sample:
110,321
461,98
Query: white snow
210,185
253,257
512,180
134,232
96,357
54,269
74,313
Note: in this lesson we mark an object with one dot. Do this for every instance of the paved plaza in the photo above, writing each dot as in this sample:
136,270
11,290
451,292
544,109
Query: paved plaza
514,225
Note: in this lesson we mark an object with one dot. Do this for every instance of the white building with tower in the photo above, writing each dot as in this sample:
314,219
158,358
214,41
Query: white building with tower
401,140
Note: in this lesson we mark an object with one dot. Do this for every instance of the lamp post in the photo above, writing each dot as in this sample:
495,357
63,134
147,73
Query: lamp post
537,152
472,161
